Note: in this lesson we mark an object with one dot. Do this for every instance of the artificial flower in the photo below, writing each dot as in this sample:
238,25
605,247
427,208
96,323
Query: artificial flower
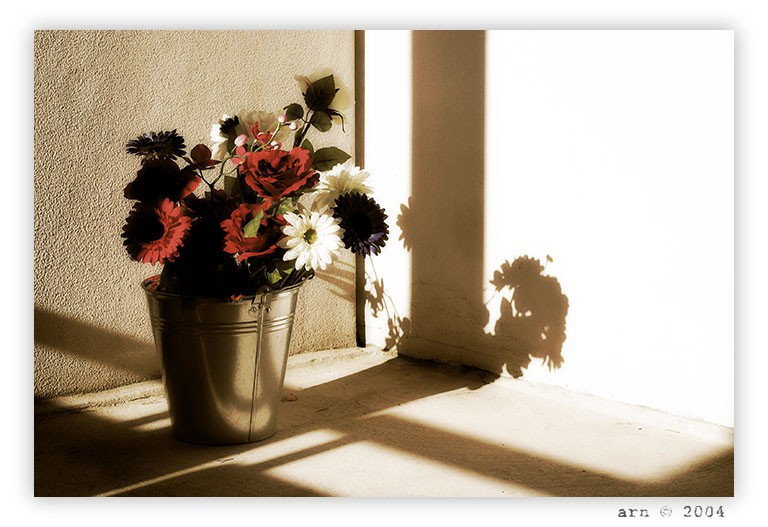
266,122
341,101
229,125
342,179
201,158
247,241
275,174
157,145
363,221
221,134
311,238
258,126
154,232
162,178
236,239
240,155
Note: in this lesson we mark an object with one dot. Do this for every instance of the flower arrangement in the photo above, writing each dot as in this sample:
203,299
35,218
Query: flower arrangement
270,216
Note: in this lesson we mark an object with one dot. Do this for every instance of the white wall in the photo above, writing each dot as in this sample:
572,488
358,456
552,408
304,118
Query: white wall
605,155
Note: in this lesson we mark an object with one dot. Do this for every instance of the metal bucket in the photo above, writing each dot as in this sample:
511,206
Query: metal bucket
222,362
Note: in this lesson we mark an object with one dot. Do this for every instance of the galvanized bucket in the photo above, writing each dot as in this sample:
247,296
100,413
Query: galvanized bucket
222,362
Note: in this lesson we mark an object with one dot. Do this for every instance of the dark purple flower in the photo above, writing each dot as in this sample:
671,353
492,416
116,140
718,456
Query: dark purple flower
363,221
157,145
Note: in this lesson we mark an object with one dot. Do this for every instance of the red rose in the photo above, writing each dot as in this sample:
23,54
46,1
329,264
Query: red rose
265,241
275,174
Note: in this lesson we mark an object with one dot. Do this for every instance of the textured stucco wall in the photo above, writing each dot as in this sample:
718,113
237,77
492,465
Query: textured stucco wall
94,90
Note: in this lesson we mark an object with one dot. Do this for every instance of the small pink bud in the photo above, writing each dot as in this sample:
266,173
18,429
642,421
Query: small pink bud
241,139
282,119
239,151
294,125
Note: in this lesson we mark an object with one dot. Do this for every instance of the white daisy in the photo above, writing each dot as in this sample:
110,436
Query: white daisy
342,179
312,238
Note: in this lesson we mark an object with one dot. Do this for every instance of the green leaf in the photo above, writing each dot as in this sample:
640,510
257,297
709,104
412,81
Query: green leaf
230,185
306,145
321,121
285,205
320,93
329,157
273,276
251,229
294,111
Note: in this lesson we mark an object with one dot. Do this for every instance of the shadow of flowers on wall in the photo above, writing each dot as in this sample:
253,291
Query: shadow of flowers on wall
340,279
375,296
531,322
524,319
403,219
380,302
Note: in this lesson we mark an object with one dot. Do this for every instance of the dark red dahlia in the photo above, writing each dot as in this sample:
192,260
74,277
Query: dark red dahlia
201,158
154,233
249,234
162,178
275,174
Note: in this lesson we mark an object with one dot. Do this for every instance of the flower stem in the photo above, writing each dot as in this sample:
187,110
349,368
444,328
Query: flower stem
300,138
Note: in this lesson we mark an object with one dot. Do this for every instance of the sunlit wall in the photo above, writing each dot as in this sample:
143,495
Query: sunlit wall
387,138
605,225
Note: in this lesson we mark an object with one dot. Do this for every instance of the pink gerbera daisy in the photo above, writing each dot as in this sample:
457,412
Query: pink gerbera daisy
154,233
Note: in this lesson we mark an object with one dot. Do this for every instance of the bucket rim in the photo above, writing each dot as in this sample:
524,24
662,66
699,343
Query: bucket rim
146,285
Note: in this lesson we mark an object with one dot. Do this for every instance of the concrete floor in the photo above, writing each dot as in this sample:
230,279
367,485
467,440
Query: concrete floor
368,423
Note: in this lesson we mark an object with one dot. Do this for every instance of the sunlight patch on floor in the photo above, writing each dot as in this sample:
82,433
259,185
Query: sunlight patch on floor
153,423
366,468
291,446
608,445
261,453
